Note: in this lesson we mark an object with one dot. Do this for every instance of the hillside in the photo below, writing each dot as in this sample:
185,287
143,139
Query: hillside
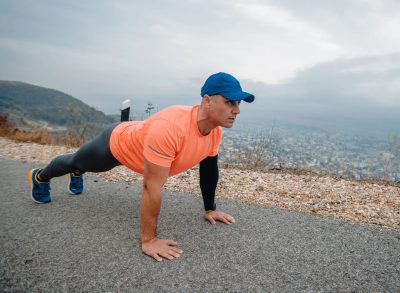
27,105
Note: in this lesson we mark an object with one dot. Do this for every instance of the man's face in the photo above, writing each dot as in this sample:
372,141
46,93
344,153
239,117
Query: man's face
223,112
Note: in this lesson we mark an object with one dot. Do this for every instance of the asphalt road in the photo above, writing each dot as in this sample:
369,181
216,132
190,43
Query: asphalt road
91,243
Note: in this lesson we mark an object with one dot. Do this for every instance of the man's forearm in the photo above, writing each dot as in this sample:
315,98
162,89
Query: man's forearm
149,211
208,181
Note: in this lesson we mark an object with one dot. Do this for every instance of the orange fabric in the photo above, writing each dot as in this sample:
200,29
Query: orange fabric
169,138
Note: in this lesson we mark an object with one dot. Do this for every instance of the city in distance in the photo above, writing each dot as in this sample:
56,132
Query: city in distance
347,148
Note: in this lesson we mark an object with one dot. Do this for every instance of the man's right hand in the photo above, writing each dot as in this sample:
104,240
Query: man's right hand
161,248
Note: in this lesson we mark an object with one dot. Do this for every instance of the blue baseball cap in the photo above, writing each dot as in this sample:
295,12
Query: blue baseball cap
226,85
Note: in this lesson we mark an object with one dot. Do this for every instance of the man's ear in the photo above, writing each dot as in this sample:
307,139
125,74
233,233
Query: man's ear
206,100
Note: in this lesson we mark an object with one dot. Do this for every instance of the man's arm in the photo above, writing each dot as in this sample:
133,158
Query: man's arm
208,181
153,180
208,184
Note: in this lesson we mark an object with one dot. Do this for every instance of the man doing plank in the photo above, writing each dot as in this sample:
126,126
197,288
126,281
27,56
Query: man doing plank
167,143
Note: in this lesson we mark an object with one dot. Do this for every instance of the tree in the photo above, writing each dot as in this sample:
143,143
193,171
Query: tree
149,108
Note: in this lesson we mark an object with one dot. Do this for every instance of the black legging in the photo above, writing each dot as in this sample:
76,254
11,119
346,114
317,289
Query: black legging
94,156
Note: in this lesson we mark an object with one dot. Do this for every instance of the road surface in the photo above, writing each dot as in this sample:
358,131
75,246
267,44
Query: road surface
90,243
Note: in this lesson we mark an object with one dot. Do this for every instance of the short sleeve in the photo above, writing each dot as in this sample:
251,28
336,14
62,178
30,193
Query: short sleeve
216,142
161,143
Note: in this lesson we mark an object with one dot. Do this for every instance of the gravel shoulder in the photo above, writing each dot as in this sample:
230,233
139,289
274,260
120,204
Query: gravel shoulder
355,201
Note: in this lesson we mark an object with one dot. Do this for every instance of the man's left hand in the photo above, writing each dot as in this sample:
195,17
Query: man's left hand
214,216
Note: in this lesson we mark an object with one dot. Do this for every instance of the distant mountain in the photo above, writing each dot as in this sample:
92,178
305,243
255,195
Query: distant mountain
27,106
24,103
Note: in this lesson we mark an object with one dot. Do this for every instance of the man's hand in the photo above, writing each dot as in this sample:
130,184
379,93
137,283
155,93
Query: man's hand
214,216
160,248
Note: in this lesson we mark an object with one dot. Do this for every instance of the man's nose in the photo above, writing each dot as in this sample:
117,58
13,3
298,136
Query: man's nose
236,109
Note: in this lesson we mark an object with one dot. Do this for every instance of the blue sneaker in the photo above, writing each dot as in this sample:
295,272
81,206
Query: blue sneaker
40,191
75,185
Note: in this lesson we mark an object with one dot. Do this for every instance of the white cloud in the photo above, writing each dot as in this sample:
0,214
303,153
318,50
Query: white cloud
167,49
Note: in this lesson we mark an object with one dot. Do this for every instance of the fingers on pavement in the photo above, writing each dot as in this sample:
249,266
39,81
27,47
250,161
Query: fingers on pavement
170,254
230,219
211,220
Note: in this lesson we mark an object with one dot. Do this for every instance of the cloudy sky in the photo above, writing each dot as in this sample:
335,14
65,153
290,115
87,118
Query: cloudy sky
306,61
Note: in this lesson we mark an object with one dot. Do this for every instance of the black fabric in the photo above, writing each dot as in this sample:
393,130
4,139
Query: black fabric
94,156
208,181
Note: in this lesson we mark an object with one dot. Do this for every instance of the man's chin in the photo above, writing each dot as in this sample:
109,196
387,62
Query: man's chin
228,125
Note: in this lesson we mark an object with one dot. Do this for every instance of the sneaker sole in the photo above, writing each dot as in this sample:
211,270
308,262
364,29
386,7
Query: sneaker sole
31,184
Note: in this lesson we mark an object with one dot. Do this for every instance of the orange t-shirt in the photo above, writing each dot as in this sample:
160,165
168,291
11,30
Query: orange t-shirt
169,138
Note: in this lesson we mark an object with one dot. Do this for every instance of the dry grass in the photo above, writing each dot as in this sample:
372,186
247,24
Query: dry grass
74,138
38,135
41,135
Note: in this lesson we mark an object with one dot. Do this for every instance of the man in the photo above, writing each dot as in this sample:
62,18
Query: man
167,143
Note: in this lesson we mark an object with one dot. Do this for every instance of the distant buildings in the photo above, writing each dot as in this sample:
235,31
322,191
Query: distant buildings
339,154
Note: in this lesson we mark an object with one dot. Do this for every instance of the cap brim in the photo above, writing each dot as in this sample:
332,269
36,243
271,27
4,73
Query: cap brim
239,96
